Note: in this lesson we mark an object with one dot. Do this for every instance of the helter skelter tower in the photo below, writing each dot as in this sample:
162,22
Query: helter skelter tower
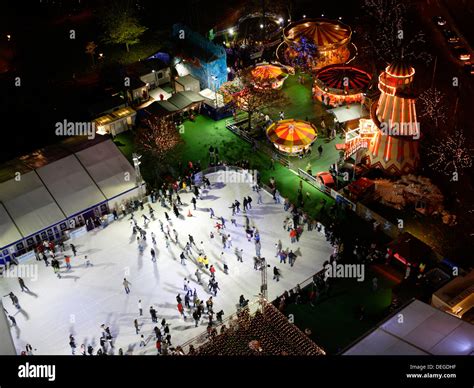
394,147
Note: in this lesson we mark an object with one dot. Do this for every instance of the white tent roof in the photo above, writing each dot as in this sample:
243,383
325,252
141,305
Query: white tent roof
416,330
71,186
8,231
29,204
348,112
107,166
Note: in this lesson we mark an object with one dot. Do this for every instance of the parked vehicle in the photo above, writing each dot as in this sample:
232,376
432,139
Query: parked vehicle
439,20
450,36
469,67
461,53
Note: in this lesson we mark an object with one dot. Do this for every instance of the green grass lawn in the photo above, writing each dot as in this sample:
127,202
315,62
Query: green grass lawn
124,142
333,319
203,132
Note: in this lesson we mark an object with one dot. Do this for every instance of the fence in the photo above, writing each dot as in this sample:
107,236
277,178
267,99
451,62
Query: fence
387,227
232,125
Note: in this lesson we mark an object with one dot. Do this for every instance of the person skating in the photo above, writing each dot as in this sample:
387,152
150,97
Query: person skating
126,285
175,235
74,250
167,217
193,201
153,238
154,317
196,318
276,274
181,310
153,255
137,327
242,301
198,276
211,210
88,261
209,304
212,270
140,308
187,300
22,285
182,256
215,287
14,300
186,284
291,258
142,341
67,259
239,254
175,211
191,240
229,241
90,350
13,320
283,257
72,344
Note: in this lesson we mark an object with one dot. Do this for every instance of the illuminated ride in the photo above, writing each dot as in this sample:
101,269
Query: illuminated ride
292,136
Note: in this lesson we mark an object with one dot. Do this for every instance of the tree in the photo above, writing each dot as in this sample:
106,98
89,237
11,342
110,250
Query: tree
157,138
253,97
122,27
433,106
451,155
90,49
388,35
303,55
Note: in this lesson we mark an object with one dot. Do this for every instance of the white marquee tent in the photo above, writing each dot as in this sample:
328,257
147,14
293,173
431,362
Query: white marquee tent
109,169
29,203
71,185
418,329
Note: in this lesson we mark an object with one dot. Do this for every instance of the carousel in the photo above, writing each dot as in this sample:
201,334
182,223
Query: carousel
292,136
340,84
266,75
331,38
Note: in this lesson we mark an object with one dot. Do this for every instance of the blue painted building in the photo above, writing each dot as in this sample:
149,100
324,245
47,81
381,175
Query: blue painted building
199,57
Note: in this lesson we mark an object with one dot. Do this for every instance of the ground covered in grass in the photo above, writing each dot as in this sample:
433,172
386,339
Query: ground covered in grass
333,319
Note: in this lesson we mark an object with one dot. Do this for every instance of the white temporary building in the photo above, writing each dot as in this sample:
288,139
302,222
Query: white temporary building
29,204
70,185
418,329
110,170
8,231
42,203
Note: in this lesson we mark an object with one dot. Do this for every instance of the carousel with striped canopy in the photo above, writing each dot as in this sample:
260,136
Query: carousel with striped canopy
336,84
266,75
395,146
331,37
292,136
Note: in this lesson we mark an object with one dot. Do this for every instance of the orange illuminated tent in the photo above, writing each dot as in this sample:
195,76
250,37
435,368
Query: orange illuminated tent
292,136
269,75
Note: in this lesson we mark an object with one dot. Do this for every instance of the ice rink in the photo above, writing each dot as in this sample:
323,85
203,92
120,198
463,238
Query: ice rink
86,297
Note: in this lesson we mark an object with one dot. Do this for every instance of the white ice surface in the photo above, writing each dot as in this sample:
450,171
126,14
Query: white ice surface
84,298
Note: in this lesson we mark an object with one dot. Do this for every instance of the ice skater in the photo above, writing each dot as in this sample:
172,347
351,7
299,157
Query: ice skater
153,238
137,327
73,248
182,256
22,285
153,255
239,254
211,210
126,285
140,308
198,276
88,261
72,344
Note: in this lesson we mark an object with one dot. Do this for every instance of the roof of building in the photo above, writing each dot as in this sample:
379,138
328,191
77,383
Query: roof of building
424,330
49,194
